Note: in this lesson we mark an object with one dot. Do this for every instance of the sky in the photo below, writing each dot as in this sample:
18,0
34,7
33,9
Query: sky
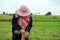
35,6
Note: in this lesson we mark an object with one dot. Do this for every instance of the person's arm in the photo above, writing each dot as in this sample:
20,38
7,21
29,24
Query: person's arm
29,25
14,24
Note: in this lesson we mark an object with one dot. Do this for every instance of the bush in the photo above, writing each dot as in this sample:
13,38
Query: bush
54,17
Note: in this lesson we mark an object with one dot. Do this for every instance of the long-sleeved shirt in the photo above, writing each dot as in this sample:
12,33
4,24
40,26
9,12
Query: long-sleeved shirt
15,25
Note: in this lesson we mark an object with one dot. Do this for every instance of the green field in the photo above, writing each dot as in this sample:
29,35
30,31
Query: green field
36,18
42,30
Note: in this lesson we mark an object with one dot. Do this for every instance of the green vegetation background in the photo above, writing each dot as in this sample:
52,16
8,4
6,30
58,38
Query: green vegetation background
44,28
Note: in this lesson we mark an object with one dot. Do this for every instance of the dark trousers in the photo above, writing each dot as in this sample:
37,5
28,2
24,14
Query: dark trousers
17,37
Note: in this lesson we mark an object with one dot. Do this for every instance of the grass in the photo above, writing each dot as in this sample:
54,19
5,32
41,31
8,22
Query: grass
44,32
35,18
5,31
39,31
5,17
44,28
46,18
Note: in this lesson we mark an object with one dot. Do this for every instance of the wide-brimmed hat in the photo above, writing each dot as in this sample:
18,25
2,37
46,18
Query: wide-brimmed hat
23,11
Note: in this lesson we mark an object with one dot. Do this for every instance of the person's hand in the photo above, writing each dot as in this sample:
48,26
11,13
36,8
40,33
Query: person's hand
17,31
22,31
27,34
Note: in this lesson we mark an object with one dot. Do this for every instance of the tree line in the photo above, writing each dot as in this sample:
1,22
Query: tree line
48,13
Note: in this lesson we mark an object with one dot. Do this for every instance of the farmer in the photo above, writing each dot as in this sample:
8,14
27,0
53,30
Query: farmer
21,24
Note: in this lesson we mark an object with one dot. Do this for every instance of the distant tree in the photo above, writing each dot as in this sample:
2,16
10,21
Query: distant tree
48,13
3,13
39,13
